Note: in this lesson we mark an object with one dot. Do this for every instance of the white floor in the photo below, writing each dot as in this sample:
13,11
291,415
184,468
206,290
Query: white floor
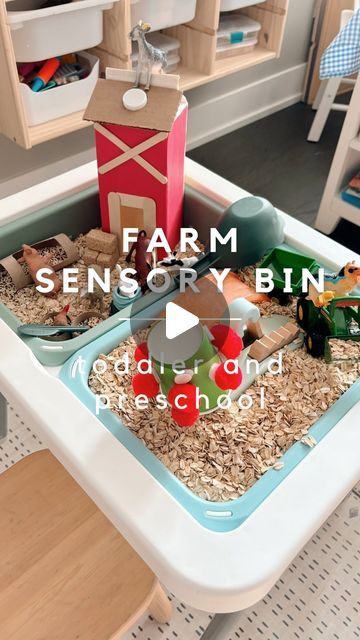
318,598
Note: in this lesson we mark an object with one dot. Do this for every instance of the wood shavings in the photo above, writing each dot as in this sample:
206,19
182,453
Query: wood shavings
226,452
30,306
278,466
344,349
309,441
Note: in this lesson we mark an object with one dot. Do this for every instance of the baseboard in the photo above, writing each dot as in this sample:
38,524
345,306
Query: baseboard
241,106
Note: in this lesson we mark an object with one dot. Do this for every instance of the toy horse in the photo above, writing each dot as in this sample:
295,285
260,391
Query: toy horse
340,285
149,56
143,259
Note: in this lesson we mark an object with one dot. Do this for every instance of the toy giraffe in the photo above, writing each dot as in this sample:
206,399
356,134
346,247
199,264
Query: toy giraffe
149,56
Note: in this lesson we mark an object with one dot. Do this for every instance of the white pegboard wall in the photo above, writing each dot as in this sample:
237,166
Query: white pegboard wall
20,442
317,598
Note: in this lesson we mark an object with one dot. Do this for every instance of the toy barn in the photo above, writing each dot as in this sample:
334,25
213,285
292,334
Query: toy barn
140,157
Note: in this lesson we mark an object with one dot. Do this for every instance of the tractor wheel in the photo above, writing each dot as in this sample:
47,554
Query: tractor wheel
315,344
302,313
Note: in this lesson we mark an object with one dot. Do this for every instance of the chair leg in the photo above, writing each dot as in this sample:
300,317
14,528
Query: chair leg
319,95
160,607
324,108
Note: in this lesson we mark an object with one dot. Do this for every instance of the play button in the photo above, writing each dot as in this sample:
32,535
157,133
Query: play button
178,320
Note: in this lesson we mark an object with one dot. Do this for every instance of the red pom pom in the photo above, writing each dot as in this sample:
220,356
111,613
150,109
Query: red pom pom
189,402
227,341
141,352
146,384
225,380
183,418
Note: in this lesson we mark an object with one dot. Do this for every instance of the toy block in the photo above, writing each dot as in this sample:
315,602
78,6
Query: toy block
100,241
108,260
281,339
255,330
90,256
268,342
293,329
262,349
286,335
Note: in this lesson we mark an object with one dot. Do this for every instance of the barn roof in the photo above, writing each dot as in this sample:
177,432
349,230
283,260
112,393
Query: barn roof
106,106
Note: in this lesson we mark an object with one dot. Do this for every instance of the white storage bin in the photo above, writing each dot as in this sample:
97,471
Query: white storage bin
173,61
232,5
162,13
39,34
162,41
54,103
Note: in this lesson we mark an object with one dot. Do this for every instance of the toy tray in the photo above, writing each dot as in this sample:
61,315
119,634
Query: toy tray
73,216
215,516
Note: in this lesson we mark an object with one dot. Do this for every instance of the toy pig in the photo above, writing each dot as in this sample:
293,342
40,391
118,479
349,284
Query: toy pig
35,262
143,259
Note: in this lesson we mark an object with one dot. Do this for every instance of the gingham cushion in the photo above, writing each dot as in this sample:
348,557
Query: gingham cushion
342,57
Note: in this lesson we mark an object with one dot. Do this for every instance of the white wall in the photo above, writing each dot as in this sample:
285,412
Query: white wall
236,100
215,109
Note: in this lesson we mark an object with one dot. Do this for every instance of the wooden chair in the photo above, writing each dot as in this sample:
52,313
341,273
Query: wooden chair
65,571
325,100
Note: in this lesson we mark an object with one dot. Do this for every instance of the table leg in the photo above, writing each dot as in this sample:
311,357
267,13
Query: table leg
221,626
3,417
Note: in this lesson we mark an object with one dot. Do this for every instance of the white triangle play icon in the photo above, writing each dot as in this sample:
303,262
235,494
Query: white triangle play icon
178,320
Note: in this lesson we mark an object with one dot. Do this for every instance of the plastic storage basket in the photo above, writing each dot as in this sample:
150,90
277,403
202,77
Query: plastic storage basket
168,44
60,101
162,13
38,33
236,34
232,5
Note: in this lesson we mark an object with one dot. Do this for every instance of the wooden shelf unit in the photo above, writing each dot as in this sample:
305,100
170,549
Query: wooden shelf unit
198,40
198,60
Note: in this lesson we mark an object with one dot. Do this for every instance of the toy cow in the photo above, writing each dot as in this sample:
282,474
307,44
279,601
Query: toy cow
35,262
143,259
173,263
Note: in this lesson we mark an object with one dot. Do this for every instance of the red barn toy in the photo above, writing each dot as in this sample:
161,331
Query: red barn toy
140,157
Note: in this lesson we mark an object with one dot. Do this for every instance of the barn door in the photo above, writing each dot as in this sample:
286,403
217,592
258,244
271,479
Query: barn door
126,211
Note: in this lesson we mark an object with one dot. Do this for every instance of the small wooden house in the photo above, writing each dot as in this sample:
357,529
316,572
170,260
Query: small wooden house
140,157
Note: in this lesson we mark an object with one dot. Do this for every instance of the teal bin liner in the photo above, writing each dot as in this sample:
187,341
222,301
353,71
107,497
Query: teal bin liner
215,516
73,215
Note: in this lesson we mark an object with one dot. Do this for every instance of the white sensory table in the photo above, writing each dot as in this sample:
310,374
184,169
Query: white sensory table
216,572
